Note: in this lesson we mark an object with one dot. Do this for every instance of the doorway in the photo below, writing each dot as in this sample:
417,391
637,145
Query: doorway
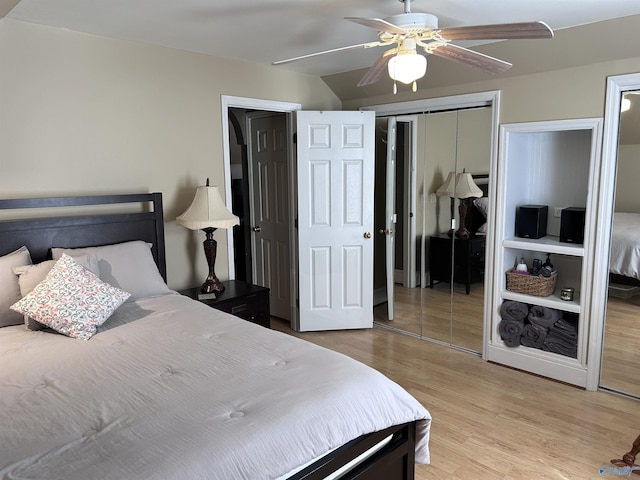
343,216
259,194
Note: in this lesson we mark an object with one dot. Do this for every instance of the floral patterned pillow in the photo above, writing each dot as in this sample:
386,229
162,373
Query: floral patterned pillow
71,300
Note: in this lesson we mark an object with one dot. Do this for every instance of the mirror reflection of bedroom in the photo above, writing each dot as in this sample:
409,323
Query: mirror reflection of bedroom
621,353
442,297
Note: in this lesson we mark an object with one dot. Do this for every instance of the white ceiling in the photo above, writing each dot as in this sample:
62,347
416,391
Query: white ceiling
262,31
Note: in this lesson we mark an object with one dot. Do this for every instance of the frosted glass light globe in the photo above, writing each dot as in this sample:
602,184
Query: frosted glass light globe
407,67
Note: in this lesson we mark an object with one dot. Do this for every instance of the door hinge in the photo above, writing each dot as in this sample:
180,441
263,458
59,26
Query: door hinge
295,223
295,138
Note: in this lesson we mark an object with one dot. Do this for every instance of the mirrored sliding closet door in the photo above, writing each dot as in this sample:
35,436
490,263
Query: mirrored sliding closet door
440,163
620,370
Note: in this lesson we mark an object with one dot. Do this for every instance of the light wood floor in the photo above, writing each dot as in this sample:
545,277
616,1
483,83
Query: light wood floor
433,313
459,321
621,354
489,421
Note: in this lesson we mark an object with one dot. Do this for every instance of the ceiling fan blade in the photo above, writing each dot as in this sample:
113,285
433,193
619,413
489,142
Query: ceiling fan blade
333,50
501,31
378,24
469,57
376,71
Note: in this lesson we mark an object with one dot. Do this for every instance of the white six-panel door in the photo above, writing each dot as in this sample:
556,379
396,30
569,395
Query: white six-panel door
335,169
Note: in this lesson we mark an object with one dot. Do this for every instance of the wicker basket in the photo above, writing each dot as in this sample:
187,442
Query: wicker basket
535,285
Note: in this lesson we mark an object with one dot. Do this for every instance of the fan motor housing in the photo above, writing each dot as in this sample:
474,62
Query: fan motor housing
409,21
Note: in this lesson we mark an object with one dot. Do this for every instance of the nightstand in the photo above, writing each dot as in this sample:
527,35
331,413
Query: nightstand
244,300
468,263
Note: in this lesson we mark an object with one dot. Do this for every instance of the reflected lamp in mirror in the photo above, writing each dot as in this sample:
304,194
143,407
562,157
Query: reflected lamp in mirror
448,189
208,212
465,189
462,187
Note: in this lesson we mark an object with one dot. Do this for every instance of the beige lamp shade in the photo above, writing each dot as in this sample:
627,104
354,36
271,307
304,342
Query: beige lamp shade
466,187
459,185
448,188
207,211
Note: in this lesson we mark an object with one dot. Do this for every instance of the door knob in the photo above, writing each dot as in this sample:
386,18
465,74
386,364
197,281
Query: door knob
387,231
257,228
367,234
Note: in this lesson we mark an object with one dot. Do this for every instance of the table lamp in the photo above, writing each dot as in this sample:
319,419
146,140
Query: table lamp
208,212
462,187
447,189
466,188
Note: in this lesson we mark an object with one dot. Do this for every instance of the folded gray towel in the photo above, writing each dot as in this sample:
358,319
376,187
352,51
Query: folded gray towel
511,331
560,346
512,310
533,336
562,338
544,316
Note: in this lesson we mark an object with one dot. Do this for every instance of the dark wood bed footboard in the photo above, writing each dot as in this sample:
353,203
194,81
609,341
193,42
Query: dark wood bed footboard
622,280
394,461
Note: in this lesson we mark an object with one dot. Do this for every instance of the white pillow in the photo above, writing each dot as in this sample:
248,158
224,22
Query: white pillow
9,289
71,300
129,266
482,204
31,275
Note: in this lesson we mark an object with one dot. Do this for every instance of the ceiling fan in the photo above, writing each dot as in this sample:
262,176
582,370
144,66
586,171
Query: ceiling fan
405,32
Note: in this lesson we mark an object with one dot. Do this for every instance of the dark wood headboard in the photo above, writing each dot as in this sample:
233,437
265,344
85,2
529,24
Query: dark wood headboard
142,220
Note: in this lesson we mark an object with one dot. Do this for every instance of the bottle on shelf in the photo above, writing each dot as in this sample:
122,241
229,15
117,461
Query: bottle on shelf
547,267
522,266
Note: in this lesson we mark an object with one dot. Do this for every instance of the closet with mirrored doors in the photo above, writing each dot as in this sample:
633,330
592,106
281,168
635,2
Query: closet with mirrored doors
432,208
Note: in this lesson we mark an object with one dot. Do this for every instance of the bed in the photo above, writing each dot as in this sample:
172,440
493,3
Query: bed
624,263
168,387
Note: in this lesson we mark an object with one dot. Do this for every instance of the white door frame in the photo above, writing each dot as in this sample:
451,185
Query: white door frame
228,102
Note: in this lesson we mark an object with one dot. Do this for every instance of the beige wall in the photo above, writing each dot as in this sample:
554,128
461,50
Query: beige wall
83,114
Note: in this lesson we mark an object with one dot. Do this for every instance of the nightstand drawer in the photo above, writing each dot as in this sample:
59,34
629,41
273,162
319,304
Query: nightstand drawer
247,307
478,246
246,301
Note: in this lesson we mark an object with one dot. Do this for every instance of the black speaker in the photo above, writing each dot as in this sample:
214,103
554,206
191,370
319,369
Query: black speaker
572,225
531,221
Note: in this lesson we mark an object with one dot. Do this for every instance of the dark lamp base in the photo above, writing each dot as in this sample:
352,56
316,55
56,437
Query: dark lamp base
212,286
462,232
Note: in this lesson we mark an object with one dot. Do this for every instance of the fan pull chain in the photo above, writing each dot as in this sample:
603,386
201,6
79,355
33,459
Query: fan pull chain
395,87
414,87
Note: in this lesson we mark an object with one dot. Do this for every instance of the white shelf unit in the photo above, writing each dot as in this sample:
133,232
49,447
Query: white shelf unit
552,163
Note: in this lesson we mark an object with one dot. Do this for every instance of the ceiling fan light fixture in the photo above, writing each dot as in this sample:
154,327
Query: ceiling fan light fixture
407,67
